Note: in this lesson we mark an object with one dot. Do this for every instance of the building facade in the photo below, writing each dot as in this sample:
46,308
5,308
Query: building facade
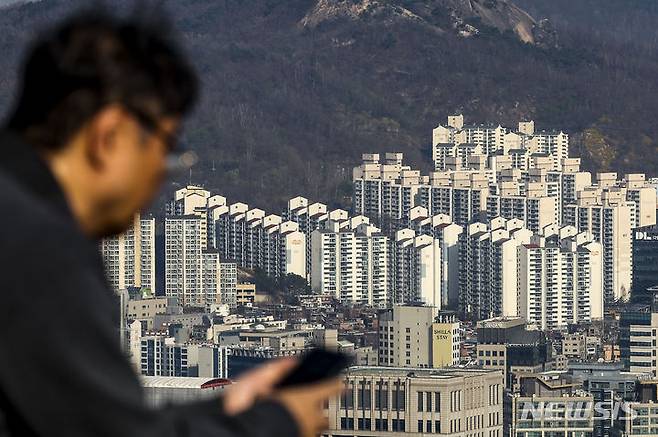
129,258
401,401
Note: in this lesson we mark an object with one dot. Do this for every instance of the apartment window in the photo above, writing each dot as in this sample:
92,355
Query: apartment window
428,426
381,398
429,401
398,397
420,426
420,403
437,401
363,424
397,425
437,426
381,424
347,399
346,423
364,398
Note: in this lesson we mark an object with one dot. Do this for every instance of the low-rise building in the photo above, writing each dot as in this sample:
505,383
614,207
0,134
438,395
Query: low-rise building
505,344
145,310
640,417
418,336
380,401
245,294
163,390
574,346
551,404
637,338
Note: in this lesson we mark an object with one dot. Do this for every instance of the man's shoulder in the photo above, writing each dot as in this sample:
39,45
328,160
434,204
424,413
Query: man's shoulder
29,223
45,253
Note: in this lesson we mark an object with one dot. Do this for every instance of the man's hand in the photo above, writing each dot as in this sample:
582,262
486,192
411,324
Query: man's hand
256,384
305,403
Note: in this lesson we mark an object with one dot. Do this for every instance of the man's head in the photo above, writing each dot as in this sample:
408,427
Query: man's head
101,100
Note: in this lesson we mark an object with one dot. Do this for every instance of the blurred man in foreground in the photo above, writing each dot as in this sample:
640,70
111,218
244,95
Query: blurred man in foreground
85,148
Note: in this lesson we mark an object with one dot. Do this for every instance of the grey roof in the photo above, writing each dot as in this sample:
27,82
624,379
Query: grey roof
413,372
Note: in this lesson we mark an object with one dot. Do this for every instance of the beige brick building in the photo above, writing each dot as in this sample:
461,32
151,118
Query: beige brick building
402,401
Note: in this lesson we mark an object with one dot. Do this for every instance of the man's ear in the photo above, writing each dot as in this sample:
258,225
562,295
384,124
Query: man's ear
101,135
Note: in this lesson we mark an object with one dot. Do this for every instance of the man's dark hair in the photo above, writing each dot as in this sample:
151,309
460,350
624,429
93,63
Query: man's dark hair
92,60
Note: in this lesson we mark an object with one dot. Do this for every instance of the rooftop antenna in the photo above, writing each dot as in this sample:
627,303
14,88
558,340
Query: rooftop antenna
190,176
213,165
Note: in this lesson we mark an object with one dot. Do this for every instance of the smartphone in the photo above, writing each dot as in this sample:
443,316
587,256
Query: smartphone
316,366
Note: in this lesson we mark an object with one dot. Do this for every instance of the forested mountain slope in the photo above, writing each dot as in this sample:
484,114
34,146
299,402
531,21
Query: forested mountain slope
295,91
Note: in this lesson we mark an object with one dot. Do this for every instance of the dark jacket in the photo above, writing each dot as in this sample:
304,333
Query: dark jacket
62,371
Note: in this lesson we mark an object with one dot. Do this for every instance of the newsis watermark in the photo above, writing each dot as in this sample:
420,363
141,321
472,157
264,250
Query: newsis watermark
575,410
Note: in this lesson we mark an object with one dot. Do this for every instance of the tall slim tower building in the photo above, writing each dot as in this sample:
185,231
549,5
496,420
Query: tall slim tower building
194,274
352,263
129,258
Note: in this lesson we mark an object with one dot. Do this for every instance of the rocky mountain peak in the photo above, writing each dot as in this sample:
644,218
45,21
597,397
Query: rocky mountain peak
467,18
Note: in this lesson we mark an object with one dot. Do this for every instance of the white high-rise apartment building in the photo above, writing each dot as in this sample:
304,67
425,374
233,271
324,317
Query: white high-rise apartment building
351,260
560,279
573,181
129,258
390,190
456,140
460,195
529,178
488,285
230,230
387,189
227,277
194,274
643,195
441,228
418,269
255,240
536,209
309,217
369,180
460,142
194,200
610,210
608,217
551,279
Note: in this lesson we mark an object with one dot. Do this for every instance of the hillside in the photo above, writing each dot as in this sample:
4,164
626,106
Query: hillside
295,91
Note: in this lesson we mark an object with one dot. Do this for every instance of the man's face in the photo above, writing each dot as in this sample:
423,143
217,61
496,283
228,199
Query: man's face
132,169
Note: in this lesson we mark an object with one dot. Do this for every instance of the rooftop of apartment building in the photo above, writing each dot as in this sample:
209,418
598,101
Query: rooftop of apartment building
413,372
